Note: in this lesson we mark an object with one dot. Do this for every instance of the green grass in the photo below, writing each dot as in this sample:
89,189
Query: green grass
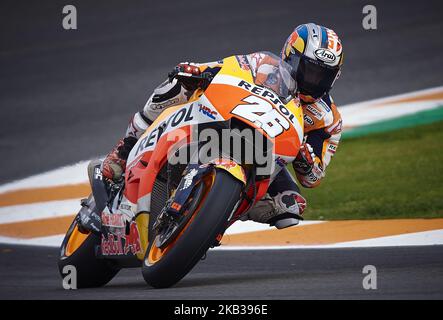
396,174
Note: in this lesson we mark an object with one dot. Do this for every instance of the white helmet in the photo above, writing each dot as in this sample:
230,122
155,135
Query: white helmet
317,55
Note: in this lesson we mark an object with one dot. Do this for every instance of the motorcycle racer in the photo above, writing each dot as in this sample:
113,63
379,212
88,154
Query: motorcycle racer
316,53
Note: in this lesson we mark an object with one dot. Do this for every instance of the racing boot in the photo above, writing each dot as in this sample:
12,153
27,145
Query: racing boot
282,211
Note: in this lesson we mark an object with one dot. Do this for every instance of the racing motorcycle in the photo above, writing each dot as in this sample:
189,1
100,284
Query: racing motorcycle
166,215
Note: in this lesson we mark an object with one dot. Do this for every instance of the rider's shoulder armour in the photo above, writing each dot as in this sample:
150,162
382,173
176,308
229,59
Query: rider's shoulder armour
322,114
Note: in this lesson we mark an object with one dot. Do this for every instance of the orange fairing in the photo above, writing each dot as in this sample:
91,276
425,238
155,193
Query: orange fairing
229,97
142,175
76,239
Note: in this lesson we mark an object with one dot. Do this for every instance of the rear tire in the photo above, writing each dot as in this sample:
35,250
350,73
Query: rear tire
91,271
209,221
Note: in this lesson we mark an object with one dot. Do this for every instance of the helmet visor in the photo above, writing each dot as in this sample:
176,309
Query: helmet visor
315,78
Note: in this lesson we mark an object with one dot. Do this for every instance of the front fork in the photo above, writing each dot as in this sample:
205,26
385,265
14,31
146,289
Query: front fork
192,175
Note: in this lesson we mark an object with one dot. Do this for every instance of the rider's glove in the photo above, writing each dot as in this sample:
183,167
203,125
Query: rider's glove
305,160
190,76
114,164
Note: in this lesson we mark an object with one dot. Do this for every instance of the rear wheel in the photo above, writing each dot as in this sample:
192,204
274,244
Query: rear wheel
79,250
165,266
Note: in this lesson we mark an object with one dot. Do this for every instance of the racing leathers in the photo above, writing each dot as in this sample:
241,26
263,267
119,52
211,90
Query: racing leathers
283,205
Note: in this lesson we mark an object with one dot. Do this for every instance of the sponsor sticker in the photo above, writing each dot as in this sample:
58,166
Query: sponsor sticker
189,178
176,206
163,105
243,62
325,55
308,119
98,174
179,118
207,111
224,163
317,113
332,148
113,220
122,244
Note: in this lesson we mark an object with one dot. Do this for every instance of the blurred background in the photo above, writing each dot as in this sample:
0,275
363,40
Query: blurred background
67,95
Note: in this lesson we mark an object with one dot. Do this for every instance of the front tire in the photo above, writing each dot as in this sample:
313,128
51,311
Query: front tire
208,221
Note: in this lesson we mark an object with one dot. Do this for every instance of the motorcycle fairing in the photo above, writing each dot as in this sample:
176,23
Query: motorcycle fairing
174,126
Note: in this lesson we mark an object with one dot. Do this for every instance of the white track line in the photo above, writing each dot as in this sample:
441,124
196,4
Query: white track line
425,238
371,111
73,174
354,116
51,241
42,210
390,99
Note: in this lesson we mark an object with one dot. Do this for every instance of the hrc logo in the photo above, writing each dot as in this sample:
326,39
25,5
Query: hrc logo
207,112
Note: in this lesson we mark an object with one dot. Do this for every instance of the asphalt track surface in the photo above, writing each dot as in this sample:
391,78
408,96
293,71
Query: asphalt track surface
402,273
67,96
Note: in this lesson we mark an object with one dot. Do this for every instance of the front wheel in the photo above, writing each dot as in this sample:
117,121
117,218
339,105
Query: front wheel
163,267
